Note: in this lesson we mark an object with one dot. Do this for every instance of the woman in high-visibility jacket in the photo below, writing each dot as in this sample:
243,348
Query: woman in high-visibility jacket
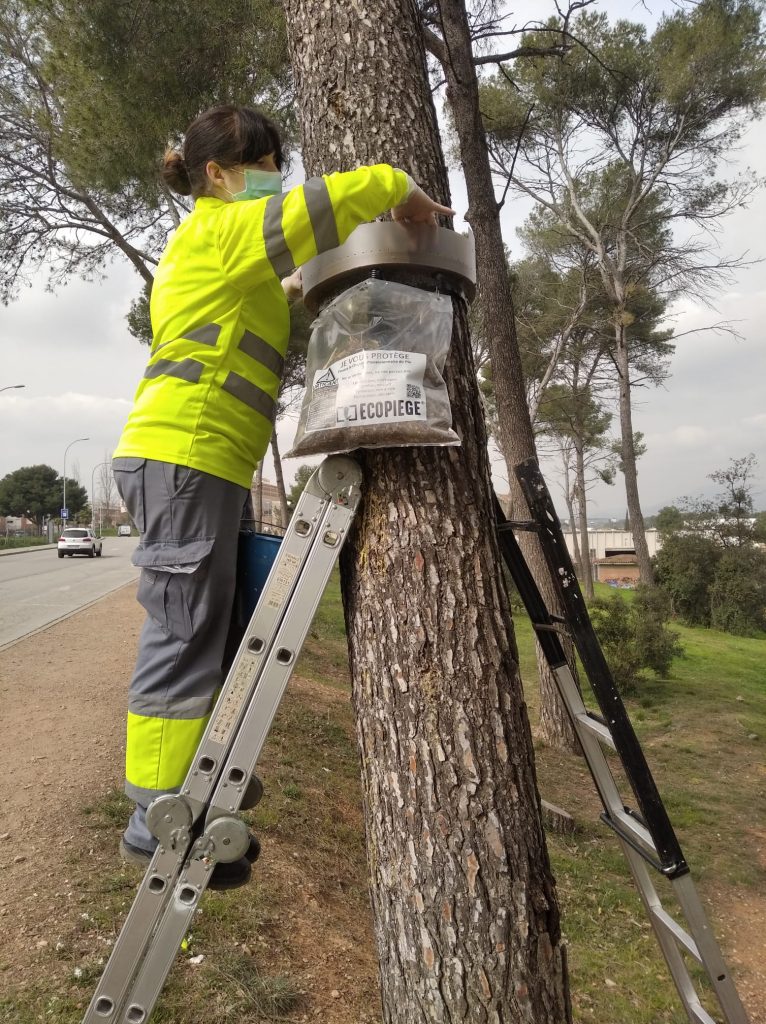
204,412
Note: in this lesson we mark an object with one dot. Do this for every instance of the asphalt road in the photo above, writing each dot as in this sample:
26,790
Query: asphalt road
37,587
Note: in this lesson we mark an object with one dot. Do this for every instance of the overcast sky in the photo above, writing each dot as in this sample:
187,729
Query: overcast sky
80,366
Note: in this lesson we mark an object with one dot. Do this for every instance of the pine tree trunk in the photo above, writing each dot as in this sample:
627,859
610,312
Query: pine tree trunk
629,457
258,497
284,514
575,539
570,512
516,437
582,507
465,913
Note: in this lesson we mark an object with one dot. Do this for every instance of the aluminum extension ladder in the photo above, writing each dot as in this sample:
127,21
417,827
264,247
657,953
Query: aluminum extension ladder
198,828
646,836
225,760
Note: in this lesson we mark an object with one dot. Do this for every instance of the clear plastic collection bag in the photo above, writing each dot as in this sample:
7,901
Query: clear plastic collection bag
374,371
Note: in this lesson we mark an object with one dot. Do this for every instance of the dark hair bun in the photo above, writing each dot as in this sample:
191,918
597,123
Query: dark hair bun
175,173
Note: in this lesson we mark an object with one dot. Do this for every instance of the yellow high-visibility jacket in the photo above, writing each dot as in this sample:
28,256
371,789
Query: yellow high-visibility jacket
221,322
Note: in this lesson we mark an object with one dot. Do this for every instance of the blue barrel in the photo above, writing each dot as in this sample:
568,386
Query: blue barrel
256,553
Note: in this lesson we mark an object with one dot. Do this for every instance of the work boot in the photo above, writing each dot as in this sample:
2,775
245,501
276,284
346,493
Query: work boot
224,876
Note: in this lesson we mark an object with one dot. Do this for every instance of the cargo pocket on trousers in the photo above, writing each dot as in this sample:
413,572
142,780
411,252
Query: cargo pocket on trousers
129,478
171,575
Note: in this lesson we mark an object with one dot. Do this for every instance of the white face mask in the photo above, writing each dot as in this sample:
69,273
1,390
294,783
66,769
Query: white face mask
259,184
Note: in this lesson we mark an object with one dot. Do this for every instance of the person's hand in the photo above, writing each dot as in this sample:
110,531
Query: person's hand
293,285
419,208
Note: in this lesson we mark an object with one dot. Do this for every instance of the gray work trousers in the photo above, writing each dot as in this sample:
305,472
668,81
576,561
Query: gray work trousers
188,523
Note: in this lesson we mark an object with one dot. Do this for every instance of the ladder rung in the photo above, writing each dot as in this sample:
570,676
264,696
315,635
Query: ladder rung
701,1016
545,627
627,823
518,524
639,838
592,724
674,929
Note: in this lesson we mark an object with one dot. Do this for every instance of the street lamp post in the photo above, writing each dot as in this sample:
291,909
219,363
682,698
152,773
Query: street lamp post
65,451
98,465
10,387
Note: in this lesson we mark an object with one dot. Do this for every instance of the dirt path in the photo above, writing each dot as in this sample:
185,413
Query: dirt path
60,693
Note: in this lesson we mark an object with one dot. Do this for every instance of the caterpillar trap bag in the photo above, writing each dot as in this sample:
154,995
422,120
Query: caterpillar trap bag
374,371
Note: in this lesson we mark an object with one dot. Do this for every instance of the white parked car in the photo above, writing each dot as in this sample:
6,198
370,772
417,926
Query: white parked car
124,530
79,540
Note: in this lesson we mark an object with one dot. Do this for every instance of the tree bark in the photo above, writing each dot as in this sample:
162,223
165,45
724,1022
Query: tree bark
466,920
284,515
629,469
570,511
257,491
586,565
516,439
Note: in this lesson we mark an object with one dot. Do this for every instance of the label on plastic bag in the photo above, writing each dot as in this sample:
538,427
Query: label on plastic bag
367,388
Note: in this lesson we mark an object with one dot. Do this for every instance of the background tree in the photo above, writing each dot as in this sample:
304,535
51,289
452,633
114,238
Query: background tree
550,306
449,33
48,219
574,419
105,496
735,502
464,907
37,491
79,162
759,528
302,477
729,516
668,521
710,562
560,325
686,567
644,126
738,591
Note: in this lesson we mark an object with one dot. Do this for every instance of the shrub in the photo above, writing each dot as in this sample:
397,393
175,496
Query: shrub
738,591
685,567
635,636
651,613
611,621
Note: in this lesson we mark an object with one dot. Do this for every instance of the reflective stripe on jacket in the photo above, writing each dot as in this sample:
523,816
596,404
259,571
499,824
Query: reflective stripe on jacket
221,320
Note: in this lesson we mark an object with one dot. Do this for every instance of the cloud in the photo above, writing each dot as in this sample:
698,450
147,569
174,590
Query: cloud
686,436
39,430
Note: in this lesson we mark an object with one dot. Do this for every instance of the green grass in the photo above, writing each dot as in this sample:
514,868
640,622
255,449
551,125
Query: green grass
6,543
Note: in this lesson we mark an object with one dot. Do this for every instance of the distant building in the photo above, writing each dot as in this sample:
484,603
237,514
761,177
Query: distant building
17,526
613,554
617,570
272,507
